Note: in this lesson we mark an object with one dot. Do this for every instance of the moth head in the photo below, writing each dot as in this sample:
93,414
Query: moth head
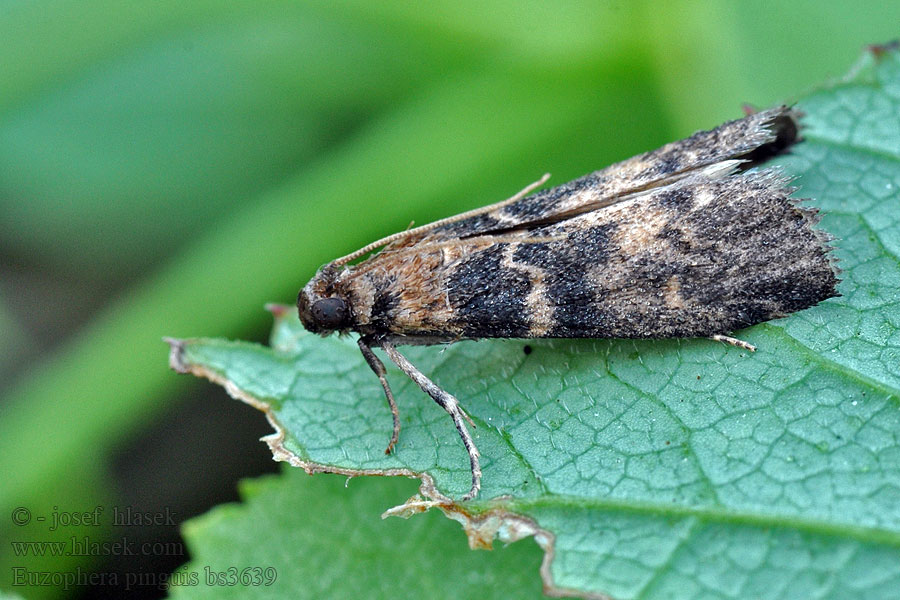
321,307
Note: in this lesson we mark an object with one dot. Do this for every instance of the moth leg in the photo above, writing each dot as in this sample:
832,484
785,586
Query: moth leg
378,367
449,403
733,341
467,417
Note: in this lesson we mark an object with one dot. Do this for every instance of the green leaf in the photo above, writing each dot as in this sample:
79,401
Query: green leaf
655,469
321,540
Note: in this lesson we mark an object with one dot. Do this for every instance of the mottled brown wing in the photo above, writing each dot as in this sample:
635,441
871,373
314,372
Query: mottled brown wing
706,255
750,139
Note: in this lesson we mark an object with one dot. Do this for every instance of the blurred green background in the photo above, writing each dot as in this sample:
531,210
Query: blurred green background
168,167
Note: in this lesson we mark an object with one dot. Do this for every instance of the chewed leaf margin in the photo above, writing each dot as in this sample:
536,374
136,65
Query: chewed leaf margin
481,527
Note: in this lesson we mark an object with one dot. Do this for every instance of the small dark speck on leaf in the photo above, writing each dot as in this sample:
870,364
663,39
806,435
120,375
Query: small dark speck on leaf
526,349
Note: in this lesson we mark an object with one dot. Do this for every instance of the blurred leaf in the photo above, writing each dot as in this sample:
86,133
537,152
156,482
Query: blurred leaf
43,35
330,543
709,53
45,542
670,468
154,143
14,340
530,33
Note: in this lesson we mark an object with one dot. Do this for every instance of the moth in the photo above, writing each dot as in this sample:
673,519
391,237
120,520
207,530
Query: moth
690,240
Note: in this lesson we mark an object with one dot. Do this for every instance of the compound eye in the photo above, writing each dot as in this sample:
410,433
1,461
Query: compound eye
330,313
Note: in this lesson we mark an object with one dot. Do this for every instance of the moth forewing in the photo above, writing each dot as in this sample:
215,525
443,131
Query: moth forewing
683,241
